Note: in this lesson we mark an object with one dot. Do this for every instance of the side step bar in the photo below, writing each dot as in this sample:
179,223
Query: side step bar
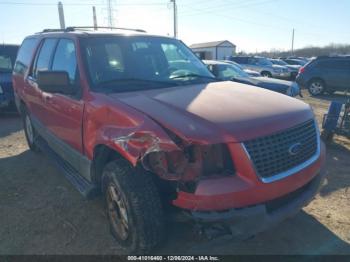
87,189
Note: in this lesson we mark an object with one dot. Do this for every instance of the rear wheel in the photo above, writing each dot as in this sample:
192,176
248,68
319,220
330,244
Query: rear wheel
133,207
29,131
316,87
266,74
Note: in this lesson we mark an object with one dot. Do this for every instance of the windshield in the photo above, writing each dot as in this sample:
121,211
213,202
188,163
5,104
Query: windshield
134,63
229,71
7,59
278,62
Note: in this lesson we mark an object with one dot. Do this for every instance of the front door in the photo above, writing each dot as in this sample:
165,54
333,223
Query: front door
63,114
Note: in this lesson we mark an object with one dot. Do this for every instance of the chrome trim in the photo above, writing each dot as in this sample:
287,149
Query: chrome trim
293,170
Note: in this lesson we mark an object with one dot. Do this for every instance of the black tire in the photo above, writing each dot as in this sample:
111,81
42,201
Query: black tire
139,200
29,131
266,74
316,87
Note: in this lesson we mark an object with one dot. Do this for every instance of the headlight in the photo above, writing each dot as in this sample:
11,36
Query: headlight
193,162
1,91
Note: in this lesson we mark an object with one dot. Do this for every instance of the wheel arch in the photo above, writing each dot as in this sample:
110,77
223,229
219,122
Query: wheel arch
102,155
316,78
265,71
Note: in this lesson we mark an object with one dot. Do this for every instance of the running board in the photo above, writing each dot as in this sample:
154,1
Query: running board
87,189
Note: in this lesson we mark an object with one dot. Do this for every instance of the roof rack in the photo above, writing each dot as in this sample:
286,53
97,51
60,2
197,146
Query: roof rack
51,30
74,28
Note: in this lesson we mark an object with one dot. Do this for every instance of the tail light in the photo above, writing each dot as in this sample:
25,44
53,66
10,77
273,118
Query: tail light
302,70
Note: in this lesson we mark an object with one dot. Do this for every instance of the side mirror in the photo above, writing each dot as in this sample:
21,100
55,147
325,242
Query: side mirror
55,82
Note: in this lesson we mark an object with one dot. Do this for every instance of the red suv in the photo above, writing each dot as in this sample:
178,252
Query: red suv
141,119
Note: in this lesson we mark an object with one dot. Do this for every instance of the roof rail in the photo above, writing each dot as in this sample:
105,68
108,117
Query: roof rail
48,30
73,28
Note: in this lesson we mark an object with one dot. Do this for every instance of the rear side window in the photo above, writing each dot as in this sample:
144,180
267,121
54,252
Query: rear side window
341,64
333,64
65,58
44,56
25,54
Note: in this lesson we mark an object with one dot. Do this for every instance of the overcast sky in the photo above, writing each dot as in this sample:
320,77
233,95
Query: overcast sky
253,25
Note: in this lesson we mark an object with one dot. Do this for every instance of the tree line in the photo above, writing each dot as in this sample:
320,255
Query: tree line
309,51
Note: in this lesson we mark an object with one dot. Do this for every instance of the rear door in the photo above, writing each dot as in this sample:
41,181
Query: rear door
336,73
64,113
342,74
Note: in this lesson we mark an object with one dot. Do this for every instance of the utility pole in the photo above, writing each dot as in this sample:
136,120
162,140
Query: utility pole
110,13
94,17
293,42
175,17
61,15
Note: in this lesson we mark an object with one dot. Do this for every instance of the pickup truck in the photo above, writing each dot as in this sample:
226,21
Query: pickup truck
139,119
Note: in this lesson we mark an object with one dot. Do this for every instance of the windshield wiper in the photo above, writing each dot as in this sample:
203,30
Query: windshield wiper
134,85
136,80
194,75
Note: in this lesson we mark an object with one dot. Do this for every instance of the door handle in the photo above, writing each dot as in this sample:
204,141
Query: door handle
47,98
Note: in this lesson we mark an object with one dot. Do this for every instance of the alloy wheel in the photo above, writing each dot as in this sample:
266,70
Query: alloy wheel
117,212
316,88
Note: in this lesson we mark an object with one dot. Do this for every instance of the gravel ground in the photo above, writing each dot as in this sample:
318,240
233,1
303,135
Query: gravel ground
41,213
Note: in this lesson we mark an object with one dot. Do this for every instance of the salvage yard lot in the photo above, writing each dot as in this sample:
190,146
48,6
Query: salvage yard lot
41,213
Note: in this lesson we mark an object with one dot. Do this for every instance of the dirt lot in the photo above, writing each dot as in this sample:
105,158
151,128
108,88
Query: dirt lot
41,213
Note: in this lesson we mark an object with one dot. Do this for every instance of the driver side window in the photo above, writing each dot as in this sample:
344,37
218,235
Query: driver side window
65,59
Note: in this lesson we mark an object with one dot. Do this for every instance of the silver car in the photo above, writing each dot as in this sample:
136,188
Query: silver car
263,66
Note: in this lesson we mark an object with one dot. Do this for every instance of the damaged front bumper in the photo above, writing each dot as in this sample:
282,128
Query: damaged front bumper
248,221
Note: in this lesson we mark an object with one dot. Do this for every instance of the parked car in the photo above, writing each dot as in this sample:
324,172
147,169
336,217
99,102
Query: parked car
262,65
118,117
7,60
248,71
325,74
230,72
293,69
297,62
305,59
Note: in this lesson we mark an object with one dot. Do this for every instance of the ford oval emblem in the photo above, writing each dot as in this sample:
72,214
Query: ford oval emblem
294,149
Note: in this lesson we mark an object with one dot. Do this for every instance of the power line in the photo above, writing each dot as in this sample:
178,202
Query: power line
79,4
110,10
209,9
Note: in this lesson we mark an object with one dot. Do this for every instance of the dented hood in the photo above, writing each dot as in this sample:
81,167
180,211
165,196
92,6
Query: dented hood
218,112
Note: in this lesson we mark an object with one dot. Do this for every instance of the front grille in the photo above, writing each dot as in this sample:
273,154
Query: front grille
271,155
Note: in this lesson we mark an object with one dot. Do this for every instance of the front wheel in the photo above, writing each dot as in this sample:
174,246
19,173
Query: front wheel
133,207
316,87
266,74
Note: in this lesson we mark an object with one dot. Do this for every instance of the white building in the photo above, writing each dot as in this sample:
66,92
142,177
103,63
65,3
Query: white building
218,50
